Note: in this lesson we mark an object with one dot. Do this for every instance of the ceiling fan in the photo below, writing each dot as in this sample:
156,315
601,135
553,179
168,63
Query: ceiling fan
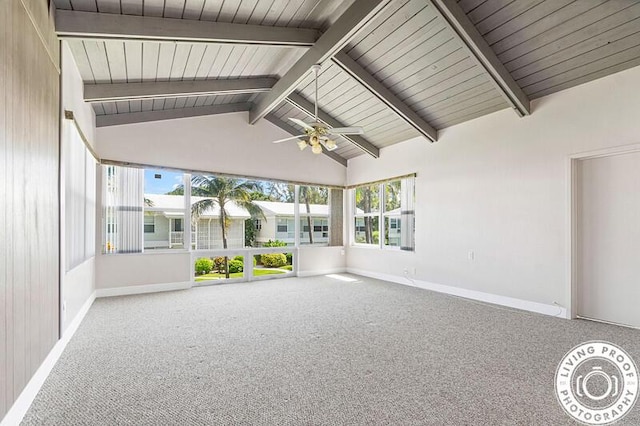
317,134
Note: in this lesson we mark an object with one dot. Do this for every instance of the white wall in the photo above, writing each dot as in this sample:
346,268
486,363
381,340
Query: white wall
220,143
72,96
498,186
321,260
77,284
126,270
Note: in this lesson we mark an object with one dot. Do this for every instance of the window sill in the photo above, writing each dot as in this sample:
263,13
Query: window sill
157,251
383,248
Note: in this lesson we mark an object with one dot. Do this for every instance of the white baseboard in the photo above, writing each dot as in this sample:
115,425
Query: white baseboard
140,289
525,305
16,413
303,274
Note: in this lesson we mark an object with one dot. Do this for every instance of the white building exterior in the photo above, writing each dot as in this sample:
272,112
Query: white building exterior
279,223
164,224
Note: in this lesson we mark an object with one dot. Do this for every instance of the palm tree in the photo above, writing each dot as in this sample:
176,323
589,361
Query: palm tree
366,199
312,195
220,191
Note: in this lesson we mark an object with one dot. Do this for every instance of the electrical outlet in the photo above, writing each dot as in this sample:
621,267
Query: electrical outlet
471,255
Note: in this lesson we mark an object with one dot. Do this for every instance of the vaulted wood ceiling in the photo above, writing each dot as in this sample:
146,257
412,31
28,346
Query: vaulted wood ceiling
399,68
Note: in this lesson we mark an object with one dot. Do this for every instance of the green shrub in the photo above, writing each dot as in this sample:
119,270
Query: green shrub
235,265
274,260
203,266
276,243
289,258
376,236
241,259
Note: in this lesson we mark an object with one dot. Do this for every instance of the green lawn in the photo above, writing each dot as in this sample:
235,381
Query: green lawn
257,272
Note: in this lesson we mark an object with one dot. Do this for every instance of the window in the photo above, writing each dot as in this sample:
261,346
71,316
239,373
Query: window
79,197
216,227
387,209
144,209
149,224
314,214
164,209
366,215
147,209
122,214
392,192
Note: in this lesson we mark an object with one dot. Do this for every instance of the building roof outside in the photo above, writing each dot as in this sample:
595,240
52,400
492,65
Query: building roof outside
276,208
165,203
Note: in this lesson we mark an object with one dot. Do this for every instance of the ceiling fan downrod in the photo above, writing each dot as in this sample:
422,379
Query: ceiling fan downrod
316,71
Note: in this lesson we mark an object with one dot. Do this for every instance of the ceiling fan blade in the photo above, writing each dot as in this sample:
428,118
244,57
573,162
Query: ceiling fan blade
327,146
288,139
301,123
355,130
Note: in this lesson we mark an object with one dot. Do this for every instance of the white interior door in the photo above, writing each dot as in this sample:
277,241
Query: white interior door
608,240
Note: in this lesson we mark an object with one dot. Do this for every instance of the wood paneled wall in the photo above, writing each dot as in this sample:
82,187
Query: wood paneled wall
29,140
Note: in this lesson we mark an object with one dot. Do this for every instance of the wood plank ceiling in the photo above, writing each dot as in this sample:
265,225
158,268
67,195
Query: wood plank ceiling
414,48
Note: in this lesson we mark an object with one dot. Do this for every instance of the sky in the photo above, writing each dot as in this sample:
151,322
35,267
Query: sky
167,181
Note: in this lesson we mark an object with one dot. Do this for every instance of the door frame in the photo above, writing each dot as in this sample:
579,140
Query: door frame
572,217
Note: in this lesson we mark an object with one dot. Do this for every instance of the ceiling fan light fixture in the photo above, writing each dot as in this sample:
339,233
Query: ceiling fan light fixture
316,149
313,140
331,144
302,145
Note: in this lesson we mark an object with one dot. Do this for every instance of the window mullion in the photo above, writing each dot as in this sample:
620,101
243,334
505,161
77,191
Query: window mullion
296,216
381,215
186,225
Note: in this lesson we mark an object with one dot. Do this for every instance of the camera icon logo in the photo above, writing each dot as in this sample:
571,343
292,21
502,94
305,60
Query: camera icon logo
582,388
596,383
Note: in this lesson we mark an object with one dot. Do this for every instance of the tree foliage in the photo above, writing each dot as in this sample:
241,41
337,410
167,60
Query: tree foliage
178,190
221,192
275,243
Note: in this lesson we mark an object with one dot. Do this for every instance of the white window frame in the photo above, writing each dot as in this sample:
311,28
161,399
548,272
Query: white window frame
355,216
145,224
302,215
380,214
386,215
187,231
